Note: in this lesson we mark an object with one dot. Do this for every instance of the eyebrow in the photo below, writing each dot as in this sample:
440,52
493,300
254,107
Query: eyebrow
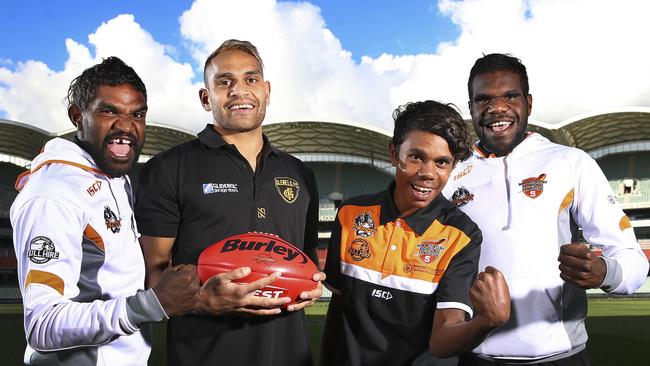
229,74
112,107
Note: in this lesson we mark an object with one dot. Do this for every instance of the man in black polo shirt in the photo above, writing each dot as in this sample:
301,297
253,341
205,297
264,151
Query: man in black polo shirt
230,180
401,263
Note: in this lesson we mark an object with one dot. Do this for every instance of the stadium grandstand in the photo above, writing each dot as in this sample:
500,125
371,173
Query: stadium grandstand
349,159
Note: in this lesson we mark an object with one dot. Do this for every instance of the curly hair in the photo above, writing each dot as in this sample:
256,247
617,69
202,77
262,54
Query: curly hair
498,62
111,71
435,117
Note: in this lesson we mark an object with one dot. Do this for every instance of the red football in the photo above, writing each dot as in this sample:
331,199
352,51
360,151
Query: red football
264,254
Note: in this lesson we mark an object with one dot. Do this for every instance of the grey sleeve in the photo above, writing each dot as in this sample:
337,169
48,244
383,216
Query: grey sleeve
614,275
144,307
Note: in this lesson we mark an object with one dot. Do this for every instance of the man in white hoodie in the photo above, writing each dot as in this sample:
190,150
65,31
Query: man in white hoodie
530,196
80,267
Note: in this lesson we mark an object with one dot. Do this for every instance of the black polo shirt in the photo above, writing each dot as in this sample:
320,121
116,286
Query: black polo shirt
203,191
389,273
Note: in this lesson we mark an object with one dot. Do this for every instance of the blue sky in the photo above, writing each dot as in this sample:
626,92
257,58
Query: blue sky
365,27
338,60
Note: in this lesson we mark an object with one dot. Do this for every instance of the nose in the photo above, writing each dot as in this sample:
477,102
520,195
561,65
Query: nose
427,170
497,105
237,89
124,123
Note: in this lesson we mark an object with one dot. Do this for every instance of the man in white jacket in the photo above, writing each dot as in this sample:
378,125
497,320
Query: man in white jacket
530,196
80,267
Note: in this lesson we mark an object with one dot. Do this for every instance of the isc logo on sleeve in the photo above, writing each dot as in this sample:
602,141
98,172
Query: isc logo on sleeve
382,294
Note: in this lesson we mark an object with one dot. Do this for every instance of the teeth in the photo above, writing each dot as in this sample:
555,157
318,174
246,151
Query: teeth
241,106
120,141
499,123
421,189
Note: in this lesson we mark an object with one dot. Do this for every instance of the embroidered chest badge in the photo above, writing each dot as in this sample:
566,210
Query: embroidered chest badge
364,225
112,222
359,250
461,197
288,188
533,187
429,251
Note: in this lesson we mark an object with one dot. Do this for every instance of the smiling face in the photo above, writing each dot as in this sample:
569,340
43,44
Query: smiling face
499,110
422,164
111,129
235,92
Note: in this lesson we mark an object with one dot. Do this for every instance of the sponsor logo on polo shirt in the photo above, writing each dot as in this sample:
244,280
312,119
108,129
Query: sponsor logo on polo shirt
461,197
428,251
364,226
94,188
42,250
220,188
288,188
533,187
382,294
359,250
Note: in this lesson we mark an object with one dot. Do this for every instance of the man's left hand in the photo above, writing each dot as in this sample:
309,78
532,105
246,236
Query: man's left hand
308,298
580,266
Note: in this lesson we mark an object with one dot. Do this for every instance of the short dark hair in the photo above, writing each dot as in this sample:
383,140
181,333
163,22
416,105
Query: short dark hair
498,62
111,71
234,44
435,117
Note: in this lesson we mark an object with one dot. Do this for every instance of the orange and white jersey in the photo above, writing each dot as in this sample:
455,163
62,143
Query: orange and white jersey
79,261
528,204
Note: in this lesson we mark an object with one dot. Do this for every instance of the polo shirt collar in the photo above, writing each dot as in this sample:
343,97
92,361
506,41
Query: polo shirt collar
419,221
213,139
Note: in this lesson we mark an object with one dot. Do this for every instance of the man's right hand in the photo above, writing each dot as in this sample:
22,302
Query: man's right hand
221,295
178,289
491,297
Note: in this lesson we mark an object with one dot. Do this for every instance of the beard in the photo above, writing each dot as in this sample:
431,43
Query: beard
101,155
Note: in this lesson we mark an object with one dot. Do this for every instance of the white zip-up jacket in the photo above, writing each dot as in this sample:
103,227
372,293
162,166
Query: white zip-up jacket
528,204
80,266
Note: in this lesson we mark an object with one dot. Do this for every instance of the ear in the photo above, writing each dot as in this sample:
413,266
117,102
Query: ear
393,153
529,98
204,96
268,92
76,117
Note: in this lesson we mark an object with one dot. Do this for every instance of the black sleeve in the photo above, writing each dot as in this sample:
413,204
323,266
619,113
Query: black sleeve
333,262
156,205
311,222
462,271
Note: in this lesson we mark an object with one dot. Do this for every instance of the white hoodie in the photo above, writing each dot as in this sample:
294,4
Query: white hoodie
528,204
79,263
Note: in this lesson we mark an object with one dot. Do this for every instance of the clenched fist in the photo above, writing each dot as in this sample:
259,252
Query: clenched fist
580,266
490,297
178,289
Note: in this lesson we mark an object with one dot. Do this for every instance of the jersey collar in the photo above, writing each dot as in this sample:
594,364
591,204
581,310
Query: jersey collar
213,139
419,221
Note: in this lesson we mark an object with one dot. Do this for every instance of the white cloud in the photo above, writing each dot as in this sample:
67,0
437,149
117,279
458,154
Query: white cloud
582,56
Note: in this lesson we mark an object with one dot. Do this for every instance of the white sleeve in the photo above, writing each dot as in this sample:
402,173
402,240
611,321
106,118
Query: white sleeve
48,237
605,226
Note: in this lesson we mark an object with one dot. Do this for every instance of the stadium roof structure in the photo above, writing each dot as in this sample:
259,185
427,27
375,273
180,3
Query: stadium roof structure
321,138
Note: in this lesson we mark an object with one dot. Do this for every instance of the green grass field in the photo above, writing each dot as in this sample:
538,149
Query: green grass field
619,332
